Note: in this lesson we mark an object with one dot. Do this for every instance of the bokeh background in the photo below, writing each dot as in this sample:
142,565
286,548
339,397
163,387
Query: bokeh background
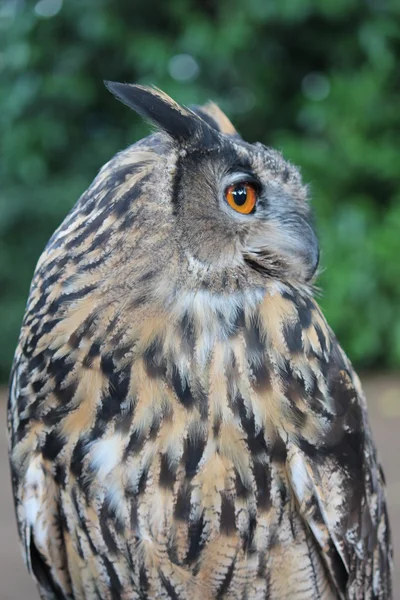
320,80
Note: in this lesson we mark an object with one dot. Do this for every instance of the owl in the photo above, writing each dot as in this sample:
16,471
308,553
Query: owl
183,423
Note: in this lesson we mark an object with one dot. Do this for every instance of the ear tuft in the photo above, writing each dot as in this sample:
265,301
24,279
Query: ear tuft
213,115
157,107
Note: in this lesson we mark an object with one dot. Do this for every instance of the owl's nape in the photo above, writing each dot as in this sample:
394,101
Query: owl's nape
183,422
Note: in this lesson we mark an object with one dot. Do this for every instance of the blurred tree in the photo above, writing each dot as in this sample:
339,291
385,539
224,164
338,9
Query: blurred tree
319,80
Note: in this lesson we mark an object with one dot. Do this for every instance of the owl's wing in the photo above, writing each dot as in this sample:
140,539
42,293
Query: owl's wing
339,484
36,500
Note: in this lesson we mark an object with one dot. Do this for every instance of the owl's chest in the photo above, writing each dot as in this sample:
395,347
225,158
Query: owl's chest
175,462
197,498
192,458
187,430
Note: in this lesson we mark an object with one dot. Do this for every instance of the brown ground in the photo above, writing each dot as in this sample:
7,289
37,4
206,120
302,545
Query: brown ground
383,394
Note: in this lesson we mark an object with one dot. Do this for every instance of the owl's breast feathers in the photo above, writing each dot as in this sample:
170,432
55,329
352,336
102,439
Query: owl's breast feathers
220,451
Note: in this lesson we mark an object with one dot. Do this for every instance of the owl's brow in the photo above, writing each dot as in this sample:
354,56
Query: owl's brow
236,158
243,167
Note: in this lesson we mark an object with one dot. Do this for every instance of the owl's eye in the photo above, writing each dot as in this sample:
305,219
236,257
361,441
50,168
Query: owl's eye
241,197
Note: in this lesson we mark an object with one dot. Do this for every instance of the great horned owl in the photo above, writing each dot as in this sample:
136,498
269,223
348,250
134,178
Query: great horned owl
183,423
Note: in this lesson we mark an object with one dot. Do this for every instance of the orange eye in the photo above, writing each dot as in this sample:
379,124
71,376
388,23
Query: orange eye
241,197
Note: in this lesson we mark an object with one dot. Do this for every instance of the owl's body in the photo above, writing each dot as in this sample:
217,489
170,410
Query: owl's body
183,422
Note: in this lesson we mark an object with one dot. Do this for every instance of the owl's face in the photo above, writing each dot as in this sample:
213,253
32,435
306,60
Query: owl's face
238,210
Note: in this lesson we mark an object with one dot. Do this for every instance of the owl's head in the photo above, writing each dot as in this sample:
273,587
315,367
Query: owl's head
236,211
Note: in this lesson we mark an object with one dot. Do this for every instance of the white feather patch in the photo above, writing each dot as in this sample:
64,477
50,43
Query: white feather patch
35,490
34,485
106,454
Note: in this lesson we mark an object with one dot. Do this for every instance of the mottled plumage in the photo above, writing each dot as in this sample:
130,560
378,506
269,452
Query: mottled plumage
183,423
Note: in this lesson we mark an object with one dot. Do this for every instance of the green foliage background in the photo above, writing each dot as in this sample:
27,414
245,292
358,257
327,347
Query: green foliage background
320,80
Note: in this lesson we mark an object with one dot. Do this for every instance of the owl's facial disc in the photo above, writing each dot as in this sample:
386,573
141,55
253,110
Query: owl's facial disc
238,207
243,207
280,240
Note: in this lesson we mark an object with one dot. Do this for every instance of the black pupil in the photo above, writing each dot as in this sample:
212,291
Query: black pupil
239,194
